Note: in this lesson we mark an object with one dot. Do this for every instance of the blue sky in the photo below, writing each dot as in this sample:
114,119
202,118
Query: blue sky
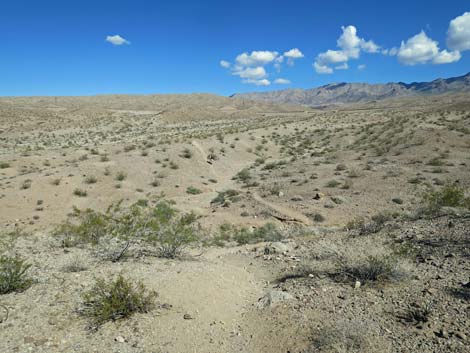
60,47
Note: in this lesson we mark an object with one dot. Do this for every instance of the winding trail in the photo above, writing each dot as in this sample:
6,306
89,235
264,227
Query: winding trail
204,157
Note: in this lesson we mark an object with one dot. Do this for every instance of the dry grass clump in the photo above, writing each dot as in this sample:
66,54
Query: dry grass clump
348,337
374,269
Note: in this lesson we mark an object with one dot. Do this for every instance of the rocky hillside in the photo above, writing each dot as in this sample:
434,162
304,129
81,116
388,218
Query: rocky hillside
341,93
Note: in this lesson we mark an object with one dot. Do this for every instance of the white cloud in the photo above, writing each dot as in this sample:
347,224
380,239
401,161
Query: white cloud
117,40
263,82
332,57
420,49
350,45
225,64
251,67
281,81
343,66
294,53
458,34
256,58
445,57
322,69
361,67
251,73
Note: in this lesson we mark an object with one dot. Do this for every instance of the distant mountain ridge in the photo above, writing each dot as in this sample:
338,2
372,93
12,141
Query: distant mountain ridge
344,93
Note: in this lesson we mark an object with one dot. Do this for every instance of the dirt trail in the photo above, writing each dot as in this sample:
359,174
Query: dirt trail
204,157
288,213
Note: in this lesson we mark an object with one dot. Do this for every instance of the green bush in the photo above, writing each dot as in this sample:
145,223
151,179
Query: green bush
160,226
450,195
116,299
13,277
193,191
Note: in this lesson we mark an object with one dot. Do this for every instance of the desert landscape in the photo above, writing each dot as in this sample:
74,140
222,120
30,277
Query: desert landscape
202,223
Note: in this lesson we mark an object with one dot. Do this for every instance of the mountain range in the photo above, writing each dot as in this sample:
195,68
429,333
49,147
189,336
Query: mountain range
346,93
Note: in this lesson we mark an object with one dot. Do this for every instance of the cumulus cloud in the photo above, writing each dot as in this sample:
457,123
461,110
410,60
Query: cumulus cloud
361,67
256,58
263,82
458,34
225,64
420,49
445,57
251,72
281,81
251,67
117,40
350,46
294,53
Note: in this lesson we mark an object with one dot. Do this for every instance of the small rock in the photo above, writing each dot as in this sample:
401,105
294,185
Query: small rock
274,298
461,335
281,194
120,339
442,333
357,285
187,317
297,198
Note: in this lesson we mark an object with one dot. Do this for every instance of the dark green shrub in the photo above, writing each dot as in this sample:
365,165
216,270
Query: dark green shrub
13,277
116,299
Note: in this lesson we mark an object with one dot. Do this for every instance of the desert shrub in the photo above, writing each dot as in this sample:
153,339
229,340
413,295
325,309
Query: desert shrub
56,181
13,276
161,227
26,184
417,314
383,268
318,217
91,179
89,227
80,192
450,195
375,225
187,153
243,175
120,176
341,167
4,165
116,299
332,184
224,196
193,191
348,337
268,232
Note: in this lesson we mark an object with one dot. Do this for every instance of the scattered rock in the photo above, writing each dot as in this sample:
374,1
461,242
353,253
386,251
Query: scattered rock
274,298
187,317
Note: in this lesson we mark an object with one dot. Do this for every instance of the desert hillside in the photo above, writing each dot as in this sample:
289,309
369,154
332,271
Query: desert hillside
251,227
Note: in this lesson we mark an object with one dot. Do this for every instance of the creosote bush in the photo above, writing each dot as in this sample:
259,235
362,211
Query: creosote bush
243,235
116,299
161,227
450,195
13,277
